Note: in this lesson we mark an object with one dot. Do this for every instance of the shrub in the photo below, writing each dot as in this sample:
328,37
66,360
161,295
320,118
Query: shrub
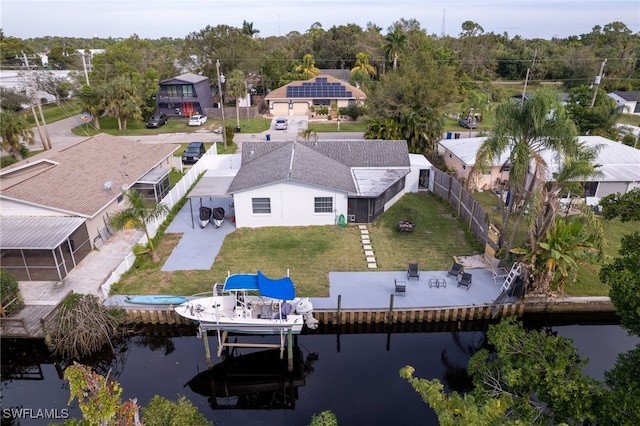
352,111
9,292
161,411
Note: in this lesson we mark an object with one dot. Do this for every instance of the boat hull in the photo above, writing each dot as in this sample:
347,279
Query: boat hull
256,316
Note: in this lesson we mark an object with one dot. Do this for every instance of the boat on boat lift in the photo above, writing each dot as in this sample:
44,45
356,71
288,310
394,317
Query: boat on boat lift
251,304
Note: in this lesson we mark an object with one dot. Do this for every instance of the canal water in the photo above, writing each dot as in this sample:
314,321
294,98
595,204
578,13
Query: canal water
353,375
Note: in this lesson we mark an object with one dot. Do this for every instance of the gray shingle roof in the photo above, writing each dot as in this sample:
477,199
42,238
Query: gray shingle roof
186,78
324,163
629,95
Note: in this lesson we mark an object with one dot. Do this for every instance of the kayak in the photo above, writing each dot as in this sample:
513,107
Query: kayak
156,299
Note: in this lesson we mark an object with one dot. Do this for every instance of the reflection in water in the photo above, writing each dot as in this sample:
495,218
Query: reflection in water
258,380
456,377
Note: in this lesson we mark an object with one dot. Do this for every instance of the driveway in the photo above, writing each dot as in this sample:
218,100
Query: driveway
296,124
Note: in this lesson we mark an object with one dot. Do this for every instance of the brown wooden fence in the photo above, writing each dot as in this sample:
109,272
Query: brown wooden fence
466,208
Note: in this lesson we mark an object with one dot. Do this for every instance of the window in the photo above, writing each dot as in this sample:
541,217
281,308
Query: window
172,90
590,189
261,205
323,204
187,91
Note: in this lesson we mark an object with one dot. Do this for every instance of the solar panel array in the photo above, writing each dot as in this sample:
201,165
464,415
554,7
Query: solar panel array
320,88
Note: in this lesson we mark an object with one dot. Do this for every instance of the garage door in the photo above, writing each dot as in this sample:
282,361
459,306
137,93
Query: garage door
280,108
300,108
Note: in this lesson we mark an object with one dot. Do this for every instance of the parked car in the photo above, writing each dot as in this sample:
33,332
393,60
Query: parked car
156,121
197,120
468,124
193,153
281,124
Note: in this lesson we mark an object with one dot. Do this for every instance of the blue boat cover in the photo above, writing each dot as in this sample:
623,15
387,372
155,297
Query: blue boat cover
281,288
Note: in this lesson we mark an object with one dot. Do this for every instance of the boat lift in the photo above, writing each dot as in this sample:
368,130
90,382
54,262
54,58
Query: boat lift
223,335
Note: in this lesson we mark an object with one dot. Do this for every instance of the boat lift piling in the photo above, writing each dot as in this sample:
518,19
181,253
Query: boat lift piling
223,343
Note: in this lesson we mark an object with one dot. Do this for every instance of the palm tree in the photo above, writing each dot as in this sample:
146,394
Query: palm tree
122,100
568,242
525,130
422,131
137,215
363,68
14,129
574,170
307,134
308,66
236,88
248,30
91,102
386,129
396,42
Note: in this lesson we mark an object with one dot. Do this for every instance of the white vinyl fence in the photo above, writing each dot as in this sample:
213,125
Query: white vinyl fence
211,160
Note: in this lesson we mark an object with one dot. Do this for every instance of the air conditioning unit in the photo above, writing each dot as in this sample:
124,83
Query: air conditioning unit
351,218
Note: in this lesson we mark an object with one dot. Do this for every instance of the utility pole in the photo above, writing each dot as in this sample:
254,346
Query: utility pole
46,142
526,79
84,65
220,80
596,83
246,89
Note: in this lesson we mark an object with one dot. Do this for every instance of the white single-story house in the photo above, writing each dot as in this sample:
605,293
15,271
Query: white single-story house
54,207
628,100
316,182
619,165
298,97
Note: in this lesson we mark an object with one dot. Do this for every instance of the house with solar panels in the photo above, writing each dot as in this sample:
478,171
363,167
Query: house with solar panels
298,97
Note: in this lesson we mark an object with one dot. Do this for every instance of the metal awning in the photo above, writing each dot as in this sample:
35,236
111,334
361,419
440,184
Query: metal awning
215,183
36,232
154,176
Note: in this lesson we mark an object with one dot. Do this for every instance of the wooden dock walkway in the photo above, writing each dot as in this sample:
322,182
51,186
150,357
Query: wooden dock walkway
31,322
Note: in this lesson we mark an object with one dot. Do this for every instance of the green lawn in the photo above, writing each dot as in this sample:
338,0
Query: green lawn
53,112
311,252
630,119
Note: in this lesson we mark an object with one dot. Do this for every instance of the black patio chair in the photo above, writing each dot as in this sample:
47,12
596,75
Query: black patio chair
401,287
413,271
464,279
456,269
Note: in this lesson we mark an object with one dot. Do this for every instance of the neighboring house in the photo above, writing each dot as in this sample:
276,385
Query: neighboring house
184,95
340,74
54,207
298,97
619,165
314,183
628,100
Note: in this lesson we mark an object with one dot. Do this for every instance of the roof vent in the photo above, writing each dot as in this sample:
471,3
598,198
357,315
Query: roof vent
107,185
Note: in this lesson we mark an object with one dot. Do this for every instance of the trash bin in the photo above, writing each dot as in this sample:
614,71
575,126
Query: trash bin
448,135
456,135
268,137
236,129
